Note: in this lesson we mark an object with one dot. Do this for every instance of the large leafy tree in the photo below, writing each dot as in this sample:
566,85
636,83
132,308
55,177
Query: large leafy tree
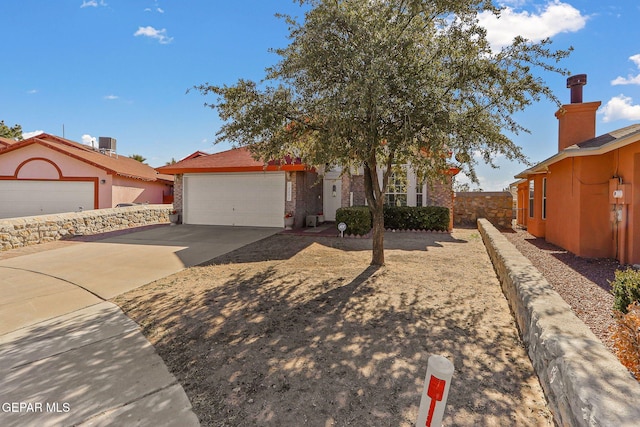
13,132
379,83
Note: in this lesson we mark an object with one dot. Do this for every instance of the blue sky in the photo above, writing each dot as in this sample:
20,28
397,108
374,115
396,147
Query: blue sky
121,68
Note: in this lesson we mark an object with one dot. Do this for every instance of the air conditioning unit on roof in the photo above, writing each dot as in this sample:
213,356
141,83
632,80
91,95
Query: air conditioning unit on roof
107,143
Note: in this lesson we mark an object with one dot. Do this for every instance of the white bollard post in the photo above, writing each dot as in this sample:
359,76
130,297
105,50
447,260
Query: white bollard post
435,392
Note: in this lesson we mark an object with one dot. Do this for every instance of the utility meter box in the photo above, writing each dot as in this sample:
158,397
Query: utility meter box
619,194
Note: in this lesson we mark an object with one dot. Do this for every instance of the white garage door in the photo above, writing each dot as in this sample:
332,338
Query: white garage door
27,198
243,199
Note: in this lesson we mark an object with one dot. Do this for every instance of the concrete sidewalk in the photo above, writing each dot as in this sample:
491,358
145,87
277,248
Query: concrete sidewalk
91,367
68,356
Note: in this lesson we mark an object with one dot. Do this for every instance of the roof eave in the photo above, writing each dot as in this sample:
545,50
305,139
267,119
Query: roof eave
45,143
575,151
230,169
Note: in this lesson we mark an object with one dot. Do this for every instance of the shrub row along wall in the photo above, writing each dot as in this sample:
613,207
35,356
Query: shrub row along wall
428,218
497,207
584,383
32,230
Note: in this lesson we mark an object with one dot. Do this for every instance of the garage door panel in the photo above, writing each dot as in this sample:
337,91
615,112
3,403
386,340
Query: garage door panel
242,199
28,198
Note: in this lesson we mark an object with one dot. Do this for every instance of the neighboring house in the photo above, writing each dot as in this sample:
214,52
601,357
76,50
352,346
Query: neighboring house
232,188
48,174
586,198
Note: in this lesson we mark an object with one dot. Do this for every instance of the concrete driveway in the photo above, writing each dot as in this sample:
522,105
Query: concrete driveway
72,358
47,284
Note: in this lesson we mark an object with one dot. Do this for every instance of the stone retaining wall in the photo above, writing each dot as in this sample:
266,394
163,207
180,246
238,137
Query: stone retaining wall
32,230
497,207
584,383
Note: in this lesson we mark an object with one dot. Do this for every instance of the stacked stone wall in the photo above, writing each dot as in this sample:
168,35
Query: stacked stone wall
33,230
584,383
496,207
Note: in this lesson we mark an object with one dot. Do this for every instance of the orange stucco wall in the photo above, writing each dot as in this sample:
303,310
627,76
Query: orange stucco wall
522,204
536,225
578,216
580,208
563,206
626,163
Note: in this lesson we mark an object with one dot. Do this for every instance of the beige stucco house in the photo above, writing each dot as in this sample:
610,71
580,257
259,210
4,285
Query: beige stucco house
47,174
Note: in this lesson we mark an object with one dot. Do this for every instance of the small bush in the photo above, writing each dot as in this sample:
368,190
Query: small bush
357,218
626,338
432,218
625,289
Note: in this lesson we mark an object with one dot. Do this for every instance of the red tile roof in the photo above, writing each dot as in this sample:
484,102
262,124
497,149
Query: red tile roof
195,154
112,164
6,142
234,160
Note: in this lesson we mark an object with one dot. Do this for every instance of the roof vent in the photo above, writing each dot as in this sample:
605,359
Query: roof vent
575,83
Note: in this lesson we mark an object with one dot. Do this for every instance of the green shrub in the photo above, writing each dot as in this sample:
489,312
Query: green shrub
432,218
357,218
625,288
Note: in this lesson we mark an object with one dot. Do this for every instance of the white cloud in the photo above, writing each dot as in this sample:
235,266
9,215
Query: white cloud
160,35
32,91
27,135
159,10
629,80
92,3
89,140
555,18
111,97
620,108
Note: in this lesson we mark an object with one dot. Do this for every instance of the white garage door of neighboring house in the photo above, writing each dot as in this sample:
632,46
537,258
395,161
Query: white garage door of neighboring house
243,199
27,198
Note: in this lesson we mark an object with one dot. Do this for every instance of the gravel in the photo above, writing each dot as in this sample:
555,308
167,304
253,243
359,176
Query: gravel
582,282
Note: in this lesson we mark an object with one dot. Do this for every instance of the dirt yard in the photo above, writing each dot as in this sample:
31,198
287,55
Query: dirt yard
301,331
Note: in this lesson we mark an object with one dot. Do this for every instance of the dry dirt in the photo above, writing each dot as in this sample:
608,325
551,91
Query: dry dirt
301,331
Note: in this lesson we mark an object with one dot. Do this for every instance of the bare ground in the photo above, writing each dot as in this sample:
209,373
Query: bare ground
294,331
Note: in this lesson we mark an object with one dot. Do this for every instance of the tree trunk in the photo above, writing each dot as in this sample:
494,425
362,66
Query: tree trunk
377,213
374,191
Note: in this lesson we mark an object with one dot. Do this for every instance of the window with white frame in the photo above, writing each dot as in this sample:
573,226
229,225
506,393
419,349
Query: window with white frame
531,194
396,194
419,189
544,198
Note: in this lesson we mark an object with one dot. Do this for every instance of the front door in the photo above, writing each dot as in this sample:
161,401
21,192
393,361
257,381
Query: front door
332,197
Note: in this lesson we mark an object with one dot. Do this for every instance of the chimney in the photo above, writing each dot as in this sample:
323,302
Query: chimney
575,83
576,121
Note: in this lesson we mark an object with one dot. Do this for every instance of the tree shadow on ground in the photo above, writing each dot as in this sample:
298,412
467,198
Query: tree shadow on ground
283,246
336,345
84,365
